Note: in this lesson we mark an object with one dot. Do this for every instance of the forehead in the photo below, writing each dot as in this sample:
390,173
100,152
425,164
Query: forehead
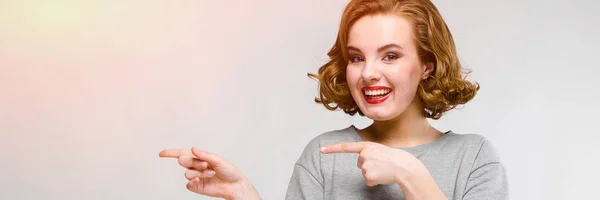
371,32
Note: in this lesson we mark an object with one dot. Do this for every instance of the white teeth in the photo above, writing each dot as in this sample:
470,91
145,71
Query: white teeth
376,92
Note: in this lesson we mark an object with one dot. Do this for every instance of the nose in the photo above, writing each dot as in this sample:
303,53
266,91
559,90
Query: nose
371,73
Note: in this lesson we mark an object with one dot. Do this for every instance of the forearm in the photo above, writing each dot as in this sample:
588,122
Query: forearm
420,187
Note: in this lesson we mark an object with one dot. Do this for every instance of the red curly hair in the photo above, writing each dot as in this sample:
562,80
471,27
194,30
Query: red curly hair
442,91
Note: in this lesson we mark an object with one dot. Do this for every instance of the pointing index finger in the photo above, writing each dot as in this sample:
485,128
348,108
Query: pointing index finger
350,147
173,153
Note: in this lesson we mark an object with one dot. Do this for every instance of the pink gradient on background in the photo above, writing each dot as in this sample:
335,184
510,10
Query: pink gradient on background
83,82
90,90
71,68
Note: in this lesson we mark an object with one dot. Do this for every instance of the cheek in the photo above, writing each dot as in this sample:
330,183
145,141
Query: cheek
352,77
413,74
407,80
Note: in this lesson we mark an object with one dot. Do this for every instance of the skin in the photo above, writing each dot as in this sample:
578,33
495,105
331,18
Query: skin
209,174
382,53
399,121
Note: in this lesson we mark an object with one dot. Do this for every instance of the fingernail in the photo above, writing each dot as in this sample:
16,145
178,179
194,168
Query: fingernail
323,149
211,173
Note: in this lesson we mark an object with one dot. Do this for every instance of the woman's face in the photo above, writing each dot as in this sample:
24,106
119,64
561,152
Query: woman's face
384,69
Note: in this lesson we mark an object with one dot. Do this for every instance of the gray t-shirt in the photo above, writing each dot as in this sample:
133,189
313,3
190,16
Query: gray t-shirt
464,166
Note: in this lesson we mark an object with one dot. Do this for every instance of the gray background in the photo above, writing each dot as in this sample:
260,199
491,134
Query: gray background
90,92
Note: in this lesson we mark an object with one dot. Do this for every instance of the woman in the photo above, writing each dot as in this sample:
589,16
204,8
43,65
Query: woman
394,62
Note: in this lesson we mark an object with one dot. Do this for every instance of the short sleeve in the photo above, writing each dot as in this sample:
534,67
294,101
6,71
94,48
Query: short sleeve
306,182
303,185
488,179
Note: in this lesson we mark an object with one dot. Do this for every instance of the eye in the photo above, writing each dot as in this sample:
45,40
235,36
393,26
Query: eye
390,57
355,58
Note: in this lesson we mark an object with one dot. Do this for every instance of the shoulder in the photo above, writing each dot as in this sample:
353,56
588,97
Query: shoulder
471,138
486,177
311,155
347,134
480,147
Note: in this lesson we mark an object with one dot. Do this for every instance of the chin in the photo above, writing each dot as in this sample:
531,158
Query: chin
380,115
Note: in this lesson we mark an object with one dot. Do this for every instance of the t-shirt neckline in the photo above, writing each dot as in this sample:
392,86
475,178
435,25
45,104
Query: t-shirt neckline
413,149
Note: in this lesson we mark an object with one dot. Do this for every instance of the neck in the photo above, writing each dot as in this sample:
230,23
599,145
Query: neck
409,129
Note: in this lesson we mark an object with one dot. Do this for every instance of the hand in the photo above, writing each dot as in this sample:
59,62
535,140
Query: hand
380,164
211,175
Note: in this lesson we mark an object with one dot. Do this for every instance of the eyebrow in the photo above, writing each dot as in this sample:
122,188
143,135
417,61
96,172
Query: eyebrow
380,49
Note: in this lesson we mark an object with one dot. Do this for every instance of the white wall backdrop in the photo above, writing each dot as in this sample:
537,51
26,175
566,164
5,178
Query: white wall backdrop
91,91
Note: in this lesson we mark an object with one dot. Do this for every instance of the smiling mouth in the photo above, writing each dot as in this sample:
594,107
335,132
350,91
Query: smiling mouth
376,94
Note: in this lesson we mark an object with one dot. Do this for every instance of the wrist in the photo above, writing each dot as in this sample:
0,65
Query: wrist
405,179
419,185
411,174
413,178
245,191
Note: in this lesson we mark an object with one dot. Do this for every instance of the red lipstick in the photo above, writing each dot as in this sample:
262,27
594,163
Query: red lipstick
378,99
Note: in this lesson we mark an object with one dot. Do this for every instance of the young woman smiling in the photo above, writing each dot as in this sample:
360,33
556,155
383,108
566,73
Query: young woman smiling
395,62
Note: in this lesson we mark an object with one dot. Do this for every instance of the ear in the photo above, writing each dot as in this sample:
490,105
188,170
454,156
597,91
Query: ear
427,70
